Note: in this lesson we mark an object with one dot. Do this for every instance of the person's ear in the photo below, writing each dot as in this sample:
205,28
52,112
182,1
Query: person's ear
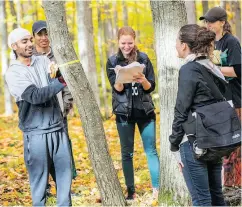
14,46
222,23
184,46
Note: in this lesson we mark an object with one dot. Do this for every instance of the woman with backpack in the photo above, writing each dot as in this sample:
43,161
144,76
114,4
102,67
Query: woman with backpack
203,178
132,104
228,55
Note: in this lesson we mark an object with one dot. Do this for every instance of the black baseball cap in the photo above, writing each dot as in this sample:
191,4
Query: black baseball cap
215,14
38,26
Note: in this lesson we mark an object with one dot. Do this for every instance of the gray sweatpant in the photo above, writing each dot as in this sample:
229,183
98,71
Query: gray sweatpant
40,152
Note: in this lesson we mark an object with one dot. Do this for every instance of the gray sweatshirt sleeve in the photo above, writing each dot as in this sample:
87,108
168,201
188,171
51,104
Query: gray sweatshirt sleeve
21,88
35,95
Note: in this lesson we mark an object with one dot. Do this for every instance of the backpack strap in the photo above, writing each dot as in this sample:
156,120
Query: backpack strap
113,59
213,87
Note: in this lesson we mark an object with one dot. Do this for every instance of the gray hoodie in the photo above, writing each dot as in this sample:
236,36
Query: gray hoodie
35,94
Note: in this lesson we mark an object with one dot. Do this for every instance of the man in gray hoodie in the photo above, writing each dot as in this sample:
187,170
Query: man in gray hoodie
40,118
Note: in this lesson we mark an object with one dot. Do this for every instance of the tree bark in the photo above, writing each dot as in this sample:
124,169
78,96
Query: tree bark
108,31
102,54
105,173
223,4
115,19
205,6
19,8
125,14
237,11
168,17
191,12
4,50
86,44
14,14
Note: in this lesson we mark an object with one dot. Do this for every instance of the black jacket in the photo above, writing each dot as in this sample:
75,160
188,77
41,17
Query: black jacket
193,92
122,101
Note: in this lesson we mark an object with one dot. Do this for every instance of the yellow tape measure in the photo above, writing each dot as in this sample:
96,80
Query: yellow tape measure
69,63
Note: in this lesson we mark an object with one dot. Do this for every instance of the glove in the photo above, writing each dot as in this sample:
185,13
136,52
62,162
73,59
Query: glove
54,70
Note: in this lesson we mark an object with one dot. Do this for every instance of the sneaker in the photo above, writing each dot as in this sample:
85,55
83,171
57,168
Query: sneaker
155,193
131,193
131,196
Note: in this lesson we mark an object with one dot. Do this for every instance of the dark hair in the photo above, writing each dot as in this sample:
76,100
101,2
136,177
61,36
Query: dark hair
227,27
15,53
126,30
199,39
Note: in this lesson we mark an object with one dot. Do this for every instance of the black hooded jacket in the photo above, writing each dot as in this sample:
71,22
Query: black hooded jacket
123,102
193,92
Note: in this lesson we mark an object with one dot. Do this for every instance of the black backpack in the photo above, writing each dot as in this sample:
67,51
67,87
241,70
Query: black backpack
216,128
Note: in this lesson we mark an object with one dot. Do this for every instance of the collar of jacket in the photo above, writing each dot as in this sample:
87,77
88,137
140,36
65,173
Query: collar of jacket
49,54
121,57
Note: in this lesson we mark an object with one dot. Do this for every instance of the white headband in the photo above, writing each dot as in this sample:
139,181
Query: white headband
16,35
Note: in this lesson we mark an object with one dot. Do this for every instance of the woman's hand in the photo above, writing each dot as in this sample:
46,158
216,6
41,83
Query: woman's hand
119,86
177,156
140,78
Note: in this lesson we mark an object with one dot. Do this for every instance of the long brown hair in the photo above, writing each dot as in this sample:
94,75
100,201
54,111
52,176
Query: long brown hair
126,30
227,27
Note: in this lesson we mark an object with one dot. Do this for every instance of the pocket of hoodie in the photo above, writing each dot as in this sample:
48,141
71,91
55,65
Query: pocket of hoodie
34,120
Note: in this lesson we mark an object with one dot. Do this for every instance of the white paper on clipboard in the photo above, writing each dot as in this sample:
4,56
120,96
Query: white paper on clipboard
125,74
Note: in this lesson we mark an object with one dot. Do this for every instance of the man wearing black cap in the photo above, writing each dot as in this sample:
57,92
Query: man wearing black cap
42,43
42,47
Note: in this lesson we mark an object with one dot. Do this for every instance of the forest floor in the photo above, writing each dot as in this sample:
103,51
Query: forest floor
14,184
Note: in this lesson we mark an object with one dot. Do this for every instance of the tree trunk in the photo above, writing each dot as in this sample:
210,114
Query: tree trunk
168,17
237,12
115,19
13,13
125,14
205,6
223,4
103,57
86,44
108,31
4,34
18,5
105,173
191,12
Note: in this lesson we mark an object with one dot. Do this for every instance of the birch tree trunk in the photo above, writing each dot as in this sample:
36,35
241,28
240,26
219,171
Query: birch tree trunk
103,57
237,11
108,31
4,49
223,4
168,17
86,44
105,173
18,8
115,19
125,13
205,6
191,12
13,13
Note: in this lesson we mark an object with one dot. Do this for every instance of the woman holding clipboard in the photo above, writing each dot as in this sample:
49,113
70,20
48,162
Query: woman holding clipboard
132,104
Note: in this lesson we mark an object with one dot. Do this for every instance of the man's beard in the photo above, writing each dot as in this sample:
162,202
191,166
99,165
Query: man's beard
22,54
